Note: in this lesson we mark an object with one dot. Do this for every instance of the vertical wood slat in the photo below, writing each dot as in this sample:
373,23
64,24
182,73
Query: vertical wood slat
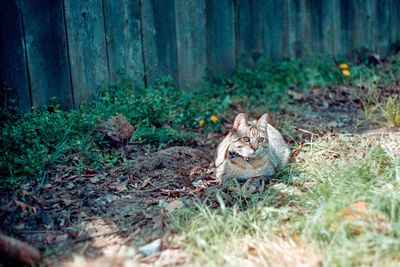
362,30
381,26
124,44
346,14
322,27
250,31
191,41
394,23
14,80
159,39
336,28
276,30
46,48
307,28
220,30
294,24
87,47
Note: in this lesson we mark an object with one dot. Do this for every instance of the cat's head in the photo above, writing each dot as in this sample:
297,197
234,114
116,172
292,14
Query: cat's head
249,138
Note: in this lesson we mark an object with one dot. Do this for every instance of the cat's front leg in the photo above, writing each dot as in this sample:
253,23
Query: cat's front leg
254,184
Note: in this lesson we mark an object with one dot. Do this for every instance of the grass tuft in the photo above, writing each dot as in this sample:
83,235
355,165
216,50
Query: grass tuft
391,110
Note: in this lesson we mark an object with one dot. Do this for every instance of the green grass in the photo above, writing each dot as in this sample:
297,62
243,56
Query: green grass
391,110
35,144
307,206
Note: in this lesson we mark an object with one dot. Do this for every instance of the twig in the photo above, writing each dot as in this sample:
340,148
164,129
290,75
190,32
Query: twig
83,239
38,231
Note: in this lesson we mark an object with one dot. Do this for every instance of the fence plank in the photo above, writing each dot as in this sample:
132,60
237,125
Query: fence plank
159,39
300,29
381,26
47,52
124,44
191,41
362,35
250,31
87,47
395,22
221,46
13,71
322,14
346,14
276,30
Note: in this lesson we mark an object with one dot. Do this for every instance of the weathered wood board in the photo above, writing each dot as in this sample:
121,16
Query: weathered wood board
159,39
221,44
191,41
47,56
250,31
124,41
276,30
87,47
14,83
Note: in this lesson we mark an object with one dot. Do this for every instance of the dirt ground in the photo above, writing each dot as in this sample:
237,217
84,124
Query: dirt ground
102,216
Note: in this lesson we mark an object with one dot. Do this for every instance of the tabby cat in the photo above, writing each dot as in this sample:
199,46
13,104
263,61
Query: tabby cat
251,149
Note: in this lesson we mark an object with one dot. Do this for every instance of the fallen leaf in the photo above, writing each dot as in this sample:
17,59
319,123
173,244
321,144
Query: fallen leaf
67,202
359,217
49,239
119,187
20,226
295,95
296,152
145,183
25,207
61,238
94,179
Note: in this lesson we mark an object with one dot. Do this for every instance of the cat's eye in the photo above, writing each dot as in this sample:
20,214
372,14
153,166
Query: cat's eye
246,139
261,140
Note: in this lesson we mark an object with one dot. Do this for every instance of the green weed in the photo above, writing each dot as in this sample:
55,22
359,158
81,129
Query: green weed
391,110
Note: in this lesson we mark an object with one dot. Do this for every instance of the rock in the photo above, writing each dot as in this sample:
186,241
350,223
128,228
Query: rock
174,205
162,203
116,129
151,248
198,183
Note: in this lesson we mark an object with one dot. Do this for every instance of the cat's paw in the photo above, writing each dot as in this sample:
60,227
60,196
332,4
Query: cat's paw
254,185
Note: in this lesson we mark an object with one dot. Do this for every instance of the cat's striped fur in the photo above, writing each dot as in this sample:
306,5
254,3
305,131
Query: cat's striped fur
251,149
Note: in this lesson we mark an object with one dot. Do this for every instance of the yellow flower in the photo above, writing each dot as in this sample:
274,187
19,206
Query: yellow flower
214,119
346,73
343,66
201,123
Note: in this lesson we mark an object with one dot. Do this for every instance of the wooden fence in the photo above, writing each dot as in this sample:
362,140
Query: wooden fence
68,48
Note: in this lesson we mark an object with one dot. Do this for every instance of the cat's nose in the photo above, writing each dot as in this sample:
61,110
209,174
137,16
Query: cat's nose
254,147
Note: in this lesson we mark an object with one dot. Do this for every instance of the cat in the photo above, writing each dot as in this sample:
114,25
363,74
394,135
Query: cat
251,149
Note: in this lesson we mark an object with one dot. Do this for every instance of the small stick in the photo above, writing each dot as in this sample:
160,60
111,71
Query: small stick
83,239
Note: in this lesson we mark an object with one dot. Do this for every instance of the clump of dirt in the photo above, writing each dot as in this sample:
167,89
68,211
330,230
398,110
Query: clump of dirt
116,130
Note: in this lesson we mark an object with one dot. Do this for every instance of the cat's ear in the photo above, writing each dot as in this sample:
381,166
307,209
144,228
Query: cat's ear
240,121
263,121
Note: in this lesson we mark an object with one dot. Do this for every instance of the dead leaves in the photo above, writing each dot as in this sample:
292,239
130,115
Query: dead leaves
26,208
359,218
